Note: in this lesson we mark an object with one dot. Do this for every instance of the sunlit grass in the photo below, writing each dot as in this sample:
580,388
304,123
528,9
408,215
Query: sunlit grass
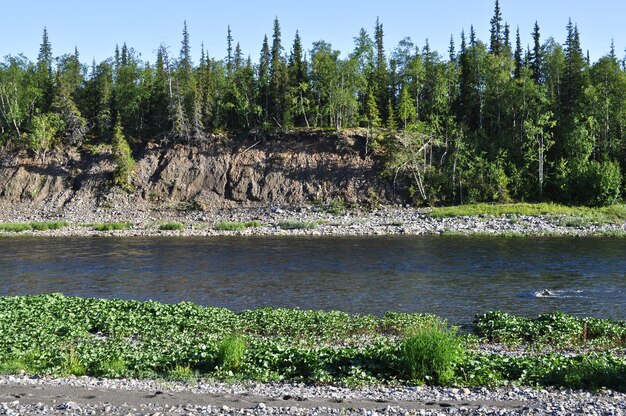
572,216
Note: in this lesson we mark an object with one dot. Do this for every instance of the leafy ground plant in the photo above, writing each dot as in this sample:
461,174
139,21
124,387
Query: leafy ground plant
58,335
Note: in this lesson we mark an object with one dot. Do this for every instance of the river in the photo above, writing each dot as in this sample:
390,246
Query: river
454,277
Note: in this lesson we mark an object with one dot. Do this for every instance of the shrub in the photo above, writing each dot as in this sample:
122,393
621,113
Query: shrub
125,169
594,183
172,226
431,355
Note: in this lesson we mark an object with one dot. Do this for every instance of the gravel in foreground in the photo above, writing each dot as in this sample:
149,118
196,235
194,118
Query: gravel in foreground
23,395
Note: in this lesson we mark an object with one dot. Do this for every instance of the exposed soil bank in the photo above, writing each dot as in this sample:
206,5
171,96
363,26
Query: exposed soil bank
225,172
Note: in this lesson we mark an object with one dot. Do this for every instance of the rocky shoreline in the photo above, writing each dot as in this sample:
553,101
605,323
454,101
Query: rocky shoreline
91,396
305,220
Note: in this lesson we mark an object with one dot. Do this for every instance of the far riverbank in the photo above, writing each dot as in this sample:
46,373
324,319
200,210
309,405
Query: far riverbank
301,220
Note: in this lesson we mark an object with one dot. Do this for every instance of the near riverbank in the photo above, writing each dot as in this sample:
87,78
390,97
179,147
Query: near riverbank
21,395
318,220
63,355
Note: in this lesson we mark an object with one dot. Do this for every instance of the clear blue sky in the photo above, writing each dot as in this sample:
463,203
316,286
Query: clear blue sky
95,27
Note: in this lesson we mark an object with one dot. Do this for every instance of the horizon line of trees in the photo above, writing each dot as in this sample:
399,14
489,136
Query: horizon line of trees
487,122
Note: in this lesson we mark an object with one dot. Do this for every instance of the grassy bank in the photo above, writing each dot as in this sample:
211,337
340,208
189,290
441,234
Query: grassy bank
603,215
35,226
54,334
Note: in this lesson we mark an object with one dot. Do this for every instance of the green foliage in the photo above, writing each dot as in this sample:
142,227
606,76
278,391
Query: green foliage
297,225
58,335
45,226
587,215
14,228
336,207
556,329
431,355
182,372
44,130
123,159
230,354
111,226
236,226
482,124
586,371
600,184
172,226
36,226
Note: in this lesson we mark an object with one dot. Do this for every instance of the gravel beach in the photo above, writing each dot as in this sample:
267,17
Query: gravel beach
21,395
318,222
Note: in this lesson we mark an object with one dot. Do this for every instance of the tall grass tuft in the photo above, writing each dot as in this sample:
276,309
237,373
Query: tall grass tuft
430,355
230,353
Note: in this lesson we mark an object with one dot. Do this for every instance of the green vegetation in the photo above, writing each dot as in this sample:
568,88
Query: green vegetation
430,355
297,225
172,226
111,226
36,226
14,228
58,335
236,226
569,214
488,121
555,329
45,226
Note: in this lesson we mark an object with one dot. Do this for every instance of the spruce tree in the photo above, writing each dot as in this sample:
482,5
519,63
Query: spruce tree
45,75
229,52
298,81
381,75
536,55
264,79
517,57
496,41
278,79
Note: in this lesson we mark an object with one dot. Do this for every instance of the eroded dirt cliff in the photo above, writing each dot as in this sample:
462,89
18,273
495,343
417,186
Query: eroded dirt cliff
277,170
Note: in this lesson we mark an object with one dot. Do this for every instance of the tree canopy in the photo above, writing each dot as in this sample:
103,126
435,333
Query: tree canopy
488,122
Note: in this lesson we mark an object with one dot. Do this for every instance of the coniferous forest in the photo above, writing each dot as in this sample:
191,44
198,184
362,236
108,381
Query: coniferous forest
488,120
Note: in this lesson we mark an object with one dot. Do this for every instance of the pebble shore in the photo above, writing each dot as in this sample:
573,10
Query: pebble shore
90,396
317,221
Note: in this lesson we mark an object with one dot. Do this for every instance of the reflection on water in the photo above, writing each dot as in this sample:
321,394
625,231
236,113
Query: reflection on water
453,277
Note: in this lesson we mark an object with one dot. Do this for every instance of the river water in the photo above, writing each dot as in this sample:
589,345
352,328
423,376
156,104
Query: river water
454,277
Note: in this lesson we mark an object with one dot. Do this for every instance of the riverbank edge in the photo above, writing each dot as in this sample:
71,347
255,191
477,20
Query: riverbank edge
303,220
87,395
